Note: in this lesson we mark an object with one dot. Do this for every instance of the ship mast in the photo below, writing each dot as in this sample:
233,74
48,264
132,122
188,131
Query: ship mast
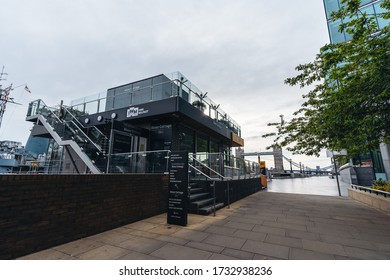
5,96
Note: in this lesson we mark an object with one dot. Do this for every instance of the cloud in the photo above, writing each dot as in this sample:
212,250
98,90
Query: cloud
238,51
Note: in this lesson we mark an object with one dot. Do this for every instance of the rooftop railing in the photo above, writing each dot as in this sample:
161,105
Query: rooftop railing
176,85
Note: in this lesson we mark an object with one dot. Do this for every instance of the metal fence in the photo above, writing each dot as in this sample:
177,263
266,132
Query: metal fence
211,164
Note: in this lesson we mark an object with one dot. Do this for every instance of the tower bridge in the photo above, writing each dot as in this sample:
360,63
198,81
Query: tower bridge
279,159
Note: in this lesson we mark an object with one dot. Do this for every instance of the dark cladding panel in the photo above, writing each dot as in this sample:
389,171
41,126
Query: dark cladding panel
189,110
178,189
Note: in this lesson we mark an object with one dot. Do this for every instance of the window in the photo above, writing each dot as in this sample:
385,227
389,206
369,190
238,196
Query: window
201,144
331,6
335,35
381,21
186,139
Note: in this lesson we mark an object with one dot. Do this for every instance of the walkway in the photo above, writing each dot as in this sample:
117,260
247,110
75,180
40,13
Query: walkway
266,225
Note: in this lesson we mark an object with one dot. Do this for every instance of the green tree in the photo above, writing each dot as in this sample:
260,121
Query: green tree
347,106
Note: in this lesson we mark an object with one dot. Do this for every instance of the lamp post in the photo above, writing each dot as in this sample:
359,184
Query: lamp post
111,141
337,176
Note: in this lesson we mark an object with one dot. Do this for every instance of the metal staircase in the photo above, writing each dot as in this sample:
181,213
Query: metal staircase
202,195
66,130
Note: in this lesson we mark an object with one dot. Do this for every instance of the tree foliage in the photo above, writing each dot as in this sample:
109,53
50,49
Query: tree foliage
347,106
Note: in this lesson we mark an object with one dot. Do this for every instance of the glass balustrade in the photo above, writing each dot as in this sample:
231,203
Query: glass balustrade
64,124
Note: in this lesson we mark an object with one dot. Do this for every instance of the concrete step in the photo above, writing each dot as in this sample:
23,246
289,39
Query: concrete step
201,203
198,196
210,209
196,190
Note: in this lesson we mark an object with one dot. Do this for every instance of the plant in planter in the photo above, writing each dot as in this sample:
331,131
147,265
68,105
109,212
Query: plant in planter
199,105
381,185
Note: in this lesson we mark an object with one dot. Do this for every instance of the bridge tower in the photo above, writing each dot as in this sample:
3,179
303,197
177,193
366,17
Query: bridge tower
278,159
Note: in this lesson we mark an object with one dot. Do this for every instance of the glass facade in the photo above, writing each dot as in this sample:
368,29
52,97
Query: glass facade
370,7
154,89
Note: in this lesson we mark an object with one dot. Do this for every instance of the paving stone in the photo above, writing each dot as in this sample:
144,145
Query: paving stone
268,229
343,258
321,227
302,234
221,230
205,247
173,239
369,237
326,221
252,235
294,220
225,241
142,245
144,234
159,219
198,227
285,225
111,237
353,242
266,249
49,254
221,257
141,225
164,230
78,247
251,221
285,241
300,254
178,252
138,256
191,235
262,257
242,255
106,252
238,225
332,231
382,246
364,254
323,247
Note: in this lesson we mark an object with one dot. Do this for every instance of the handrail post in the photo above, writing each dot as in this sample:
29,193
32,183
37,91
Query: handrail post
214,195
228,194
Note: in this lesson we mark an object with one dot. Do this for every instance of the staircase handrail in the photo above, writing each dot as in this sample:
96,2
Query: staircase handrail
56,118
82,126
202,173
86,136
204,165
52,109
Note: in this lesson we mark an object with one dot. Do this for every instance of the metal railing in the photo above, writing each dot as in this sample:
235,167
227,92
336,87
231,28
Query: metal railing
140,162
211,165
217,177
228,166
174,84
64,128
370,190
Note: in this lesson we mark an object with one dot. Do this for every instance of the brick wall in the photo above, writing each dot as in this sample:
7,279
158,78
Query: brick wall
42,211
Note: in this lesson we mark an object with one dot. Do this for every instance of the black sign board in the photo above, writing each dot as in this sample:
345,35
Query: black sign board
178,189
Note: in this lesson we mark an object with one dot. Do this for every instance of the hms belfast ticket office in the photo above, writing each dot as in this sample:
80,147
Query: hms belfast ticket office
153,115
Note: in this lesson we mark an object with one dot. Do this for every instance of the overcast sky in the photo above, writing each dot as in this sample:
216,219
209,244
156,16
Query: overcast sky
240,52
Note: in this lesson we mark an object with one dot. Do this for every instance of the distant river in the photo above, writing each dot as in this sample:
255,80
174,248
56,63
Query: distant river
321,185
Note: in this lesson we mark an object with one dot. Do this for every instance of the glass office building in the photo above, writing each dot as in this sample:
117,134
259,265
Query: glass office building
380,158
371,7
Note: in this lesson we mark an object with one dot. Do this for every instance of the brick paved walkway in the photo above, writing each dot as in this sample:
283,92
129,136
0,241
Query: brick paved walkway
263,226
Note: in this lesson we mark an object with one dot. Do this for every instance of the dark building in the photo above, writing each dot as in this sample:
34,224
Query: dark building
156,114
